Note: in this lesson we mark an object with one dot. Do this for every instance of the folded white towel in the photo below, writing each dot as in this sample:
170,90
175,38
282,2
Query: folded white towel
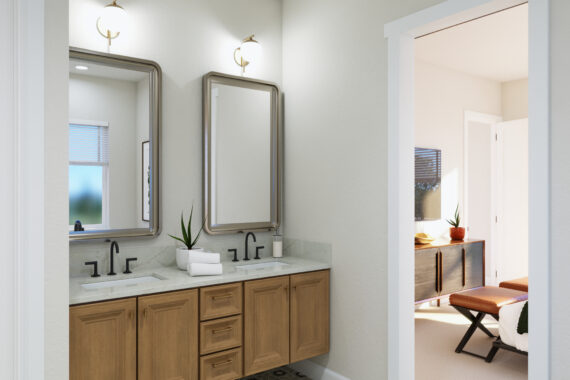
203,257
201,269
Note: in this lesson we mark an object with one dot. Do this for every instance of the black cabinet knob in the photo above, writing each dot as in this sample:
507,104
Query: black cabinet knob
128,261
95,270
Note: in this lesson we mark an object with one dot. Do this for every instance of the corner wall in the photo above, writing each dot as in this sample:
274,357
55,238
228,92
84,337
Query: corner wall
441,98
335,77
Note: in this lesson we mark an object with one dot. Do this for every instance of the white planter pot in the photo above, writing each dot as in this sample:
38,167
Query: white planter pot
182,257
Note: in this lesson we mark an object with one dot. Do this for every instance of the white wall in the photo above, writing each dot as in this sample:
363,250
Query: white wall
335,79
187,39
441,98
560,183
114,102
515,99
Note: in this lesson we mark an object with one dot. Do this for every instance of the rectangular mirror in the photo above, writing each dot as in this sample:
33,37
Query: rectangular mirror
241,154
114,124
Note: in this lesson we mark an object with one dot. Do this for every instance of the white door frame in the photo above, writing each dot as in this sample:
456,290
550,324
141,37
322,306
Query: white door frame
401,34
491,246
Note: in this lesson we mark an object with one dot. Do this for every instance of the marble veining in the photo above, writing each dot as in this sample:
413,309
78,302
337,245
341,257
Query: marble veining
176,279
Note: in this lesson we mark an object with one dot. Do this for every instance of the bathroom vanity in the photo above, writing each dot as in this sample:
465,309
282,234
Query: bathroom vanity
159,323
223,327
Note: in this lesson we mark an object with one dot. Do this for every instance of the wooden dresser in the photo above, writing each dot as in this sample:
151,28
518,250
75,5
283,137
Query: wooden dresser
448,267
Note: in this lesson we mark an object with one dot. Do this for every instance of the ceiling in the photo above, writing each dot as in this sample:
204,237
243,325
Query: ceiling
493,47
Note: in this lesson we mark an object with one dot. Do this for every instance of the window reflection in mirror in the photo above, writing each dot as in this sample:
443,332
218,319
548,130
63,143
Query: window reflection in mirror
108,124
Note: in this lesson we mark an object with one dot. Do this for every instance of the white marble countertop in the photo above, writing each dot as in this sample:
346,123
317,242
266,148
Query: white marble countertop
176,279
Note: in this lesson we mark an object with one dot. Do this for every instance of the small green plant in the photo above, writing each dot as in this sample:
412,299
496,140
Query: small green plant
456,218
187,231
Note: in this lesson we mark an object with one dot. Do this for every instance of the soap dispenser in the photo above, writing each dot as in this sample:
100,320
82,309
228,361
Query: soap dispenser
277,245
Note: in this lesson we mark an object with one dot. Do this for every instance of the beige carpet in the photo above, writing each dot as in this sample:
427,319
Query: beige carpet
438,332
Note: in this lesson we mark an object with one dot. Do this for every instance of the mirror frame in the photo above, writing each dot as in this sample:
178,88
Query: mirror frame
275,218
155,111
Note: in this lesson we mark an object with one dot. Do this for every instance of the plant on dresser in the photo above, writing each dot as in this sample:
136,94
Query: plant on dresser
456,232
220,332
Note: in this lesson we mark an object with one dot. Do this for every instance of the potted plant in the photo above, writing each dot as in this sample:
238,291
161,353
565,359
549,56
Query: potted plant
456,232
189,241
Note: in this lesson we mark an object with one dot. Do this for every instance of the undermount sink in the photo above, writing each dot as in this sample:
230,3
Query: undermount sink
271,264
122,282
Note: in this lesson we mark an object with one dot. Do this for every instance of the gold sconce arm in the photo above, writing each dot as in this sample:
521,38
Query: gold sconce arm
108,35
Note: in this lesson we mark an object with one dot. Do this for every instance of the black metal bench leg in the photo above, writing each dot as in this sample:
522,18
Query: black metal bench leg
491,354
467,314
476,322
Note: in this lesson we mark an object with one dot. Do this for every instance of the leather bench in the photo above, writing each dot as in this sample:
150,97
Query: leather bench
482,301
520,284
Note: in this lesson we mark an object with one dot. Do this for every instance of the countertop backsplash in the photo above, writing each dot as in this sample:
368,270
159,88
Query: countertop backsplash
151,255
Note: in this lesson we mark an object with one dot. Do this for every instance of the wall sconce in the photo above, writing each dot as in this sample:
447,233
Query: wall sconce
111,20
247,52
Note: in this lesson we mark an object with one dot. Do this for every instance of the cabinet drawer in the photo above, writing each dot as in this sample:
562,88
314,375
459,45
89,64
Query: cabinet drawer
225,365
220,301
220,334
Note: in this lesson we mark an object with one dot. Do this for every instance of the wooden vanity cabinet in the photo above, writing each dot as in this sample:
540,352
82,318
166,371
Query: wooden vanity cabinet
168,336
266,324
309,315
221,332
103,341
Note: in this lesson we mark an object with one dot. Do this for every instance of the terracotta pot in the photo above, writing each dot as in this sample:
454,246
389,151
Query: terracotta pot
457,233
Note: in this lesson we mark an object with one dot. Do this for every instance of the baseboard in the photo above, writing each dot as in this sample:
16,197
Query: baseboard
316,371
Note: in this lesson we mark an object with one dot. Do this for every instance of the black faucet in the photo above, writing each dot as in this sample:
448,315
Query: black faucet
111,256
246,240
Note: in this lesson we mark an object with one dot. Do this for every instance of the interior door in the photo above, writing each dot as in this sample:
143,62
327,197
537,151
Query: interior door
480,184
512,258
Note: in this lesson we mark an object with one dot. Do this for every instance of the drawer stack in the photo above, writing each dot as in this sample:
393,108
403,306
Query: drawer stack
221,332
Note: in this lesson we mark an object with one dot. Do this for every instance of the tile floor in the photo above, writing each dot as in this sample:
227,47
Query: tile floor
283,373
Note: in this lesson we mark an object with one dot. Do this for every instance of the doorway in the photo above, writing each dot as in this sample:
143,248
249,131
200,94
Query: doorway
401,34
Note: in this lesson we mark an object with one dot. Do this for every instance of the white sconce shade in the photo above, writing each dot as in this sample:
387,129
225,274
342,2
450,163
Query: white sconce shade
248,53
112,20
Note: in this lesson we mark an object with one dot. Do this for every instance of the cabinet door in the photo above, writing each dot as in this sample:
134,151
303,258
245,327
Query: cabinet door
266,324
451,269
102,341
474,265
309,315
168,336
426,273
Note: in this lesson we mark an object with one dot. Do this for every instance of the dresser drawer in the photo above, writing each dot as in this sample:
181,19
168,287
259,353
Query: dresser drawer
220,334
220,301
225,365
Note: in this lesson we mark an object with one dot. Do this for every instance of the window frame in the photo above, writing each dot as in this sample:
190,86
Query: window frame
105,217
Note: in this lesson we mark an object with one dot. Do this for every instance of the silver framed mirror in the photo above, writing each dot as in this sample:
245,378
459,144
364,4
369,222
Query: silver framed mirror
114,146
242,166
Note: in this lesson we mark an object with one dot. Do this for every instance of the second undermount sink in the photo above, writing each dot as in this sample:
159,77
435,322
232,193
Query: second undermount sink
267,265
122,282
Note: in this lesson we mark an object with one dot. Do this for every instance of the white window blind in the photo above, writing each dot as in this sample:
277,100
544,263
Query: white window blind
88,144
